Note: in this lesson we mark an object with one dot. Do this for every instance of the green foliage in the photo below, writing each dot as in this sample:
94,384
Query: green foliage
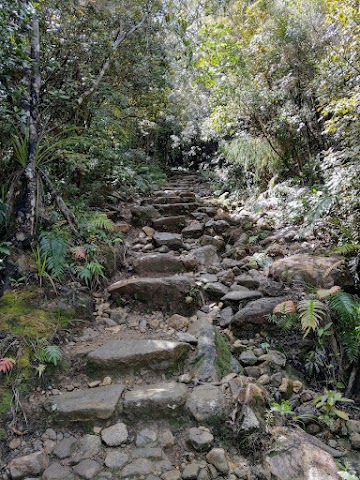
285,321
346,309
4,252
44,354
91,273
311,312
223,355
326,404
53,248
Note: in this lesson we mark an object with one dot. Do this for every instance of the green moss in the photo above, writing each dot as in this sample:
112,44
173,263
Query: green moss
3,434
5,400
22,314
223,358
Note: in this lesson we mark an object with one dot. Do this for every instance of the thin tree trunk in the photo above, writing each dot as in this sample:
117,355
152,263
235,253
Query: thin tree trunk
60,203
26,215
120,37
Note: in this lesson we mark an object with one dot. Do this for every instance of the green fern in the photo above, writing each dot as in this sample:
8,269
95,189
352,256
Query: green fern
311,312
346,308
286,322
101,221
348,248
54,248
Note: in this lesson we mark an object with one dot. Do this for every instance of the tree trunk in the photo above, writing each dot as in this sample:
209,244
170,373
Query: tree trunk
25,223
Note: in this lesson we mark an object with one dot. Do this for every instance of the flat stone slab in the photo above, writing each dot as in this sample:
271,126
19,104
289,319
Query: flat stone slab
159,263
133,354
241,296
194,230
171,240
161,293
170,224
82,405
156,401
176,208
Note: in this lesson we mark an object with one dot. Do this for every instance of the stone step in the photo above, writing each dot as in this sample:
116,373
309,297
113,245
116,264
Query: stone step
156,263
194,230
130,355
172,209
165,293
169,199
160,400
83,405
171,240
169,224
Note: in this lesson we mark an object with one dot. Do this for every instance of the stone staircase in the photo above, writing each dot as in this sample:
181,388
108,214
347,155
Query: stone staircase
154,380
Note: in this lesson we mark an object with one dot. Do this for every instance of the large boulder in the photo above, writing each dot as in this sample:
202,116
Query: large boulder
255,314
165,293
307,269
292,457
143,215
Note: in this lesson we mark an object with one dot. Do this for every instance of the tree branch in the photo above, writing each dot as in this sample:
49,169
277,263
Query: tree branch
120,37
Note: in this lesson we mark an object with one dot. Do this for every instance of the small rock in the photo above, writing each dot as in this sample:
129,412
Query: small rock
149,231
178,322
94,384
171,475
141,466
29,465
185,378
58,472
116,459
146,438
49,434
200,438
191,471
264,379
65,448
167,439
88,447
115,435
248,358
218,459
88,469
107,381
355,441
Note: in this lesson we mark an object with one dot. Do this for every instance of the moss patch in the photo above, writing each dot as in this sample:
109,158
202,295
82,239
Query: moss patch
5,400
22,314
223,358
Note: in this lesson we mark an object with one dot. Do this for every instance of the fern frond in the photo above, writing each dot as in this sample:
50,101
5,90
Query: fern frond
53,354
344,305
54,248
311,313
100,220
348,248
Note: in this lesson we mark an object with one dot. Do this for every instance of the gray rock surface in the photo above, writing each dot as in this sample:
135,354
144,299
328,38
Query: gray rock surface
205,402
56,471
156,401
82,405
120,355
115,435
28,465
165,293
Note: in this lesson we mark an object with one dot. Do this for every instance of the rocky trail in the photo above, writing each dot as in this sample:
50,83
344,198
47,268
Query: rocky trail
175,376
